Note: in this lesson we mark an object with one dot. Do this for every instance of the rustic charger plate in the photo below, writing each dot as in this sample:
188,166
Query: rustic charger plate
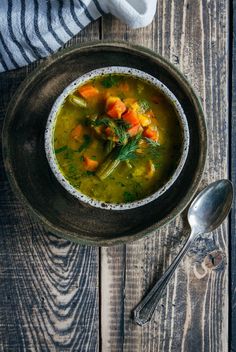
28,169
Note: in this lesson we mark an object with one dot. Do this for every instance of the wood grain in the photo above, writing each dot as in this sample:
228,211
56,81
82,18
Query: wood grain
193,314
233,177
48,286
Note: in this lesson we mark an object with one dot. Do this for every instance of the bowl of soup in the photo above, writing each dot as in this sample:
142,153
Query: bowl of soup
116,138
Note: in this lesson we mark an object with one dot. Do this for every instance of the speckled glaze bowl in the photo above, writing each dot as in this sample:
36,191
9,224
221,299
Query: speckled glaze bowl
50,127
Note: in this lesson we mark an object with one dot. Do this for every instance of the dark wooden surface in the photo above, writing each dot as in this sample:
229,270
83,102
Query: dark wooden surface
58,296
232,97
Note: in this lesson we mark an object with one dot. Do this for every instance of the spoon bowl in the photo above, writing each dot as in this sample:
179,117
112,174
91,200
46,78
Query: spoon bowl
210,207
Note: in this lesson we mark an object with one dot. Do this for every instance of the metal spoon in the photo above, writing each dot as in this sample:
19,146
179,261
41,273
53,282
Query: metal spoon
206,213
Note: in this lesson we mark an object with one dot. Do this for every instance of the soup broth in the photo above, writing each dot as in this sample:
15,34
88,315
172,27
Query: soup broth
117,138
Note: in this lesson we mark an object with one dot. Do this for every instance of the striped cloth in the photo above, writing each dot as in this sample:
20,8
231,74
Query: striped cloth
32,29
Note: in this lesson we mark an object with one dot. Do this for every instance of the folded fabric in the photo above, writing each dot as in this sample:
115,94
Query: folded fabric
30,30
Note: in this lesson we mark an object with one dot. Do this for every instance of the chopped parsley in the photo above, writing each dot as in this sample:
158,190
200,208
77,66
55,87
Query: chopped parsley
61,149
110,81
144,105
87,141
129,197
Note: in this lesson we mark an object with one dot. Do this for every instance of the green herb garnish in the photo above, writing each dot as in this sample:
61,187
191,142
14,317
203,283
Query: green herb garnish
121,122
110,81
152,143
61,149
90,173
129,197
144,105
106,121
121,133
128,151
119,127
154,150
72,171
117,155
87,141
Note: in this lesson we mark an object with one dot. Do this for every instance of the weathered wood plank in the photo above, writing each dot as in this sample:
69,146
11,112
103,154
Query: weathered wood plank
48,286
193,314
233,176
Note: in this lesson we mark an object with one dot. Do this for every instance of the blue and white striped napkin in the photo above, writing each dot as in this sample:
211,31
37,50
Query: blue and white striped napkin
32,29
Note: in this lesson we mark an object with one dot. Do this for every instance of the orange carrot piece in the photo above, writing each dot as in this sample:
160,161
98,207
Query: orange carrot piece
110,100
134,130
77,132
90,164
88,91
150,114
152,134
131,118
124,86
116,109
109,131
111,135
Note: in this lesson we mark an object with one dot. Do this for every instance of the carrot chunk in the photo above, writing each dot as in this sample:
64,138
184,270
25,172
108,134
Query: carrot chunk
115,107
111,135
90,164
88,91
77,132
150,133
124,86
131,118
134,130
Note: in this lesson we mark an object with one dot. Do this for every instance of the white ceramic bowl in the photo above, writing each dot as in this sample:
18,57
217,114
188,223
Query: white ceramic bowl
49,145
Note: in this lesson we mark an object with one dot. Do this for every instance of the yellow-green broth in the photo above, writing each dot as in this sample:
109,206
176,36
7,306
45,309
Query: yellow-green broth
129,181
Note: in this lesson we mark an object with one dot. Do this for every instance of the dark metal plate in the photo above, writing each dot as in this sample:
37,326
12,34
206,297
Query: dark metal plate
29,172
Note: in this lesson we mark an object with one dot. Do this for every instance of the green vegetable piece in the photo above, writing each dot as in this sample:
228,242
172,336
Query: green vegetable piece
109,146
128,164
61,149
78,101
109,165
117,155
107,168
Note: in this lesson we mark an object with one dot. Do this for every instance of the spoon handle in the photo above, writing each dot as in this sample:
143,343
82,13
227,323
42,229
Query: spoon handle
145,309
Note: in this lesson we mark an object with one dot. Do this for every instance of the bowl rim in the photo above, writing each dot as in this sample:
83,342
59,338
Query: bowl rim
52,119
134,49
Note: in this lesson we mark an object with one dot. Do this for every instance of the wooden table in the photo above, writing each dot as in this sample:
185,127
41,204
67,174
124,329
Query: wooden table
59,296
